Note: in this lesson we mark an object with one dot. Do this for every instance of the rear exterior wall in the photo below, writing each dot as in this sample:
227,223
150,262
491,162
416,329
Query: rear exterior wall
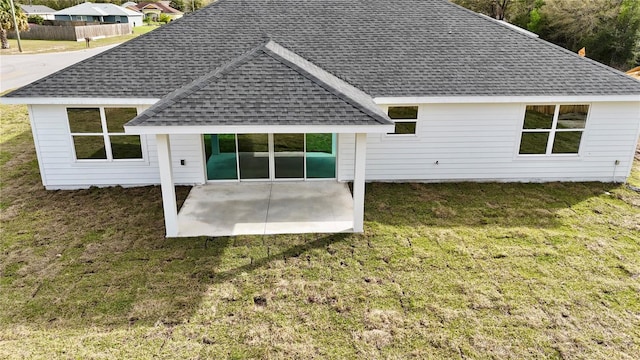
60,170
480,142
453,142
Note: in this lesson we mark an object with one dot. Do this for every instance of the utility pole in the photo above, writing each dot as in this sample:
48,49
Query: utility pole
15,25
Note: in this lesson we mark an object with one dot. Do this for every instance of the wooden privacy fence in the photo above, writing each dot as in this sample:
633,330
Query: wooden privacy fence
74,33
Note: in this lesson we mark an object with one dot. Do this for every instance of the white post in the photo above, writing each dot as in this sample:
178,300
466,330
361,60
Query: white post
168,189
358,182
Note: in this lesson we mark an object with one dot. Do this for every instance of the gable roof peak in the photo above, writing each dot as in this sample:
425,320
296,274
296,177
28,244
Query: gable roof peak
268,71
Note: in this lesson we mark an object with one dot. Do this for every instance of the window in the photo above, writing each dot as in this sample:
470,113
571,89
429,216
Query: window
405,118
553,129
98,134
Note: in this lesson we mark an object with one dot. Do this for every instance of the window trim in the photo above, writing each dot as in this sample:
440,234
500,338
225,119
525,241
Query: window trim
552,132
105,134
404,136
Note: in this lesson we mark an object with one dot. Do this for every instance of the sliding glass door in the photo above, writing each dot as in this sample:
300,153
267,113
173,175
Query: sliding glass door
288,153
221,156
253,156
270,156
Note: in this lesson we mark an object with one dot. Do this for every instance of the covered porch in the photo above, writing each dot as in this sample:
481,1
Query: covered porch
270,98
265,208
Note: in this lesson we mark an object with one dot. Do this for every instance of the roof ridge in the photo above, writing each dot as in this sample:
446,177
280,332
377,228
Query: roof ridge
278,52
539,40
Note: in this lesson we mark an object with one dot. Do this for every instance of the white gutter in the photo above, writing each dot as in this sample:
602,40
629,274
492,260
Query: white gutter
400,100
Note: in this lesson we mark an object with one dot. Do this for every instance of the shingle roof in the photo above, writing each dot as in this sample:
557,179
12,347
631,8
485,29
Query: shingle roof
269,85
161,5
37,9
100,9
385,48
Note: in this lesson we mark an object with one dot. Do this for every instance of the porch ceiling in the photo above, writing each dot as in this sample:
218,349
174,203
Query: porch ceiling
258,208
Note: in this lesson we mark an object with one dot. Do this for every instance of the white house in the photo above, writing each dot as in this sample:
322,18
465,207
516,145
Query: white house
44,12
100,12
338,91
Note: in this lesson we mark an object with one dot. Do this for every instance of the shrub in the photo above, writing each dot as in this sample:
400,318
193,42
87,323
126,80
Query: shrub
35,19
164,18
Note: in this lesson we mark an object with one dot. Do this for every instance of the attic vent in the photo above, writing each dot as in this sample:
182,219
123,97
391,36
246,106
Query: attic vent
511,26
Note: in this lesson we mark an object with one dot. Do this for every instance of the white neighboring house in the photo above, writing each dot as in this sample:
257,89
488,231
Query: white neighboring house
100,12
43,11
374,92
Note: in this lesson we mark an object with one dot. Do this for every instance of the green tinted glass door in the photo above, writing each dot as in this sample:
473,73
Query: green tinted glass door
321,156
253,156
288,152
220,150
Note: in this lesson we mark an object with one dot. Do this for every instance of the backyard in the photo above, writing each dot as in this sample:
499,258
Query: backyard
45,46
457,270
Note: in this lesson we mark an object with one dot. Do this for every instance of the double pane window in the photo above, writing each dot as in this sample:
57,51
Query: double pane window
553,129
405,119
98,134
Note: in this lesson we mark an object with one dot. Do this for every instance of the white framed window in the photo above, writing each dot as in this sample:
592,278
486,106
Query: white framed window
97,134
405,119
553,129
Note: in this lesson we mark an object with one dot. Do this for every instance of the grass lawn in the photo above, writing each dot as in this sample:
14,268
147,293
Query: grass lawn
45,46
443,271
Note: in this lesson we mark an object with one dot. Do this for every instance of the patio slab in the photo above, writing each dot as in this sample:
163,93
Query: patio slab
258,208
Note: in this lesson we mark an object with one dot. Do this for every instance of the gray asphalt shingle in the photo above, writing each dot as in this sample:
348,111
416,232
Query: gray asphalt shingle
384,48
269,85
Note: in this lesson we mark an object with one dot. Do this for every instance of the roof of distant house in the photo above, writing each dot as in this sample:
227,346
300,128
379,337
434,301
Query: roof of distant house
163,6
97,9
37,9
400,48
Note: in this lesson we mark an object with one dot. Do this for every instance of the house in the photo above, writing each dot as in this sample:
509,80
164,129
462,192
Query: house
635,72
102,12
293,94
44,12
152,10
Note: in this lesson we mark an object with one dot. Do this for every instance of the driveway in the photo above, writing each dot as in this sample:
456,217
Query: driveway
20,70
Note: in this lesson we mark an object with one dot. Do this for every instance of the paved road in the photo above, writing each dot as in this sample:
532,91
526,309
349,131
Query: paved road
20,70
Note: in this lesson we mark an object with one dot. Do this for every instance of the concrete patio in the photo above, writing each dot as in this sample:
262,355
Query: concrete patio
258,208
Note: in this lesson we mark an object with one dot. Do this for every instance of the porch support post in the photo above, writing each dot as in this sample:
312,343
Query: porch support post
358,182
168,189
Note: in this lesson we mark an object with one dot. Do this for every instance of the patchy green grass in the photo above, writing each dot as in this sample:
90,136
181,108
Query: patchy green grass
634,179
443,271
46,46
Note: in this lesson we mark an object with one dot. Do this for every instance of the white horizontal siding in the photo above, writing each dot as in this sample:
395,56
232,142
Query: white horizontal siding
59,169
480,142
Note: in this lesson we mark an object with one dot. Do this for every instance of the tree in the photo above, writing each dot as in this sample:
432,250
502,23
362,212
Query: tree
616,41
177,4
6,21
609,29
530,16
494,8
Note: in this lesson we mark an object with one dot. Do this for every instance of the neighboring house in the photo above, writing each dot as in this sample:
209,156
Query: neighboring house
152,10
44,12
376,90
102,12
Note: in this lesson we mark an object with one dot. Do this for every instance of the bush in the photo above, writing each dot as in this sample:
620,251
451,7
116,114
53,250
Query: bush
35,19
164,18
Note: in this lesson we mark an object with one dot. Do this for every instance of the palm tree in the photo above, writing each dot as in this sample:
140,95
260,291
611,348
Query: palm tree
6,21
